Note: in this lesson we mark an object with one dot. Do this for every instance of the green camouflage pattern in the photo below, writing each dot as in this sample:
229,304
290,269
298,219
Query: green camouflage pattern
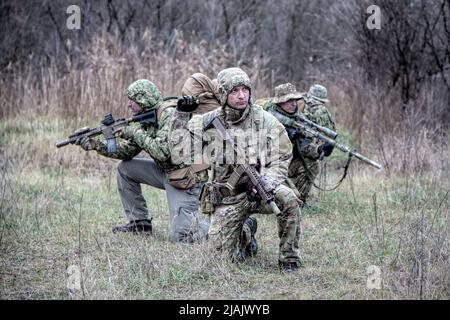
285,92
318,113
227,230
279,162
309,151
303,179
317,93
229,78
228,233
144,93
152,140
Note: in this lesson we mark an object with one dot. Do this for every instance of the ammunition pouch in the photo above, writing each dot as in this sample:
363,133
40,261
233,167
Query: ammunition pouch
209,199
214,194
225,192
185,178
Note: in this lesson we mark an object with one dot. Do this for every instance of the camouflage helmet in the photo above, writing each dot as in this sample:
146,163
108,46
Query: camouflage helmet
229,78
144,93
285,92
318,93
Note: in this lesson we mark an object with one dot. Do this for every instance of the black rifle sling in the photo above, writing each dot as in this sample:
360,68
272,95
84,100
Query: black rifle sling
311,177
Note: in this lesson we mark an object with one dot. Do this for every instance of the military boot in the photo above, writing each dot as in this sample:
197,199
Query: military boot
135,226
288,267
252,248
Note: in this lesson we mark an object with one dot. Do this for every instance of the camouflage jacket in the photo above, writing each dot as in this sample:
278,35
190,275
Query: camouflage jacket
318,113
152,140
307,149
255,121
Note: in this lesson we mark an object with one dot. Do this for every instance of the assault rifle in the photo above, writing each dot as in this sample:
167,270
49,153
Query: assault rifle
110,128
249,170
313,131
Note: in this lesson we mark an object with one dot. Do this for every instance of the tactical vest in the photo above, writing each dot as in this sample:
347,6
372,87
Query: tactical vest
182,176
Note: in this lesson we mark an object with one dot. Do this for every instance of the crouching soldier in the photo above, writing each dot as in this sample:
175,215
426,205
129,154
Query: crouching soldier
182,183
229,196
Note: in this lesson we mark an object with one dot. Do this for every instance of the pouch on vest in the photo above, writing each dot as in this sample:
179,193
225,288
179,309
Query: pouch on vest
183,178
207,205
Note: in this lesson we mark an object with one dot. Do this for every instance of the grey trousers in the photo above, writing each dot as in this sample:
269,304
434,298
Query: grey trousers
184,225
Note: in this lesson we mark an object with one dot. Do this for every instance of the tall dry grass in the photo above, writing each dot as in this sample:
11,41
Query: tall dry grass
109,68
402,139
54,100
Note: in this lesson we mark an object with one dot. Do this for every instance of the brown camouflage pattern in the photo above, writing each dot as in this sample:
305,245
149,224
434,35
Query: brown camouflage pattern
285,92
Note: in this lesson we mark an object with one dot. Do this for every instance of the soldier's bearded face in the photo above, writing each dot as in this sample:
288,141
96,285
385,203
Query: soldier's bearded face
134,107
238,97
289,106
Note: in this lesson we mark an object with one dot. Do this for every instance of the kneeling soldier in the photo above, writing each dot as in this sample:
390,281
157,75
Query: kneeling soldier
230,195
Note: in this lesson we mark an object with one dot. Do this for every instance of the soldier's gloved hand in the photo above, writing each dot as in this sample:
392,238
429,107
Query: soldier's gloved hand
326,149
187,104
292,133
253,195
86,143
306,145
127,132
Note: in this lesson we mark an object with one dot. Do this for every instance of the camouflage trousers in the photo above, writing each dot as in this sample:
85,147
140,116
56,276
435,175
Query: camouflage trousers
184,225
301,179
229,234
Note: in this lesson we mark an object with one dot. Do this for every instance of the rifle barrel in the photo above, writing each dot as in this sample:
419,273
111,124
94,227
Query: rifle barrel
62,143
330,133
343,148
311,129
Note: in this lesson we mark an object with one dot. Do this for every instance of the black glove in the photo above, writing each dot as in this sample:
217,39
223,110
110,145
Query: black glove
326,149
292,133
187,104
253,196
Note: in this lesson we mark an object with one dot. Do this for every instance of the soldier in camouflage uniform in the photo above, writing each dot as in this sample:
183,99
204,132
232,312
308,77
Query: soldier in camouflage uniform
229,208
315,109
182,183
305,164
